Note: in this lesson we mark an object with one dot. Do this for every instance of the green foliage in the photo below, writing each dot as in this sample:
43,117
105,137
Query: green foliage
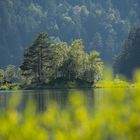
93,20
4,87
14,86
10,77
128,60
36,57
46,61
116,83
2,76
10,73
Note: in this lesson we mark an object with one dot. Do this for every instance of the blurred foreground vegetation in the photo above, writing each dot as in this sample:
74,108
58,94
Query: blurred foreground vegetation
114,117
110,80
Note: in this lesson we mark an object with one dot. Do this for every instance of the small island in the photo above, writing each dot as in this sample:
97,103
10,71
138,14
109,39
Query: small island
49,63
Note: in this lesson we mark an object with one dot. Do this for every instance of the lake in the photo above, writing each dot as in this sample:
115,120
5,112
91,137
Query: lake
43,97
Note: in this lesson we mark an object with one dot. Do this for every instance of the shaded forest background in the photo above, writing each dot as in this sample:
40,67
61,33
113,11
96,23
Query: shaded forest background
102,24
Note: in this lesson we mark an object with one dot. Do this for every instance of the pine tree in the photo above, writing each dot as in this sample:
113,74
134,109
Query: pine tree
128,60
35,58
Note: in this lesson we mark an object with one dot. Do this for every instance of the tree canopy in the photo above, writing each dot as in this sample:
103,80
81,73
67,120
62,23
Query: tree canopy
46,61
129,58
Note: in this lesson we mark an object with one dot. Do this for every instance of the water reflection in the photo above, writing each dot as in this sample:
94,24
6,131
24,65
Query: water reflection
43,97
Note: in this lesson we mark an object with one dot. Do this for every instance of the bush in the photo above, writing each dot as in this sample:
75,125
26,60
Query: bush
4,87
112,84
14,86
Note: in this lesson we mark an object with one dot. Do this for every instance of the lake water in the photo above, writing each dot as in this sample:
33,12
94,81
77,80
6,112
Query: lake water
43,97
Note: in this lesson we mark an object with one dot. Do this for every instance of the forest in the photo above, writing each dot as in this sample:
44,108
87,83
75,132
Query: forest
102,25
72,41
57,64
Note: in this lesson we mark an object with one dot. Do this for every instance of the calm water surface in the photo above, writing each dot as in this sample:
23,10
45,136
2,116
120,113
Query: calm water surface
43,97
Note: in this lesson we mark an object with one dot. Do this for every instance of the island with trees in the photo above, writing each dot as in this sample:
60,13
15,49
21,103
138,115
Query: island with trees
48,63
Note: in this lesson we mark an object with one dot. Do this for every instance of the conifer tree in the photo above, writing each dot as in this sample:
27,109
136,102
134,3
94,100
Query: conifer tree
128,59
35,58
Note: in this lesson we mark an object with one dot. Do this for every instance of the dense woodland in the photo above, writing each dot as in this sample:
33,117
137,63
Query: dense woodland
47,62
128,60
102,24
74,40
